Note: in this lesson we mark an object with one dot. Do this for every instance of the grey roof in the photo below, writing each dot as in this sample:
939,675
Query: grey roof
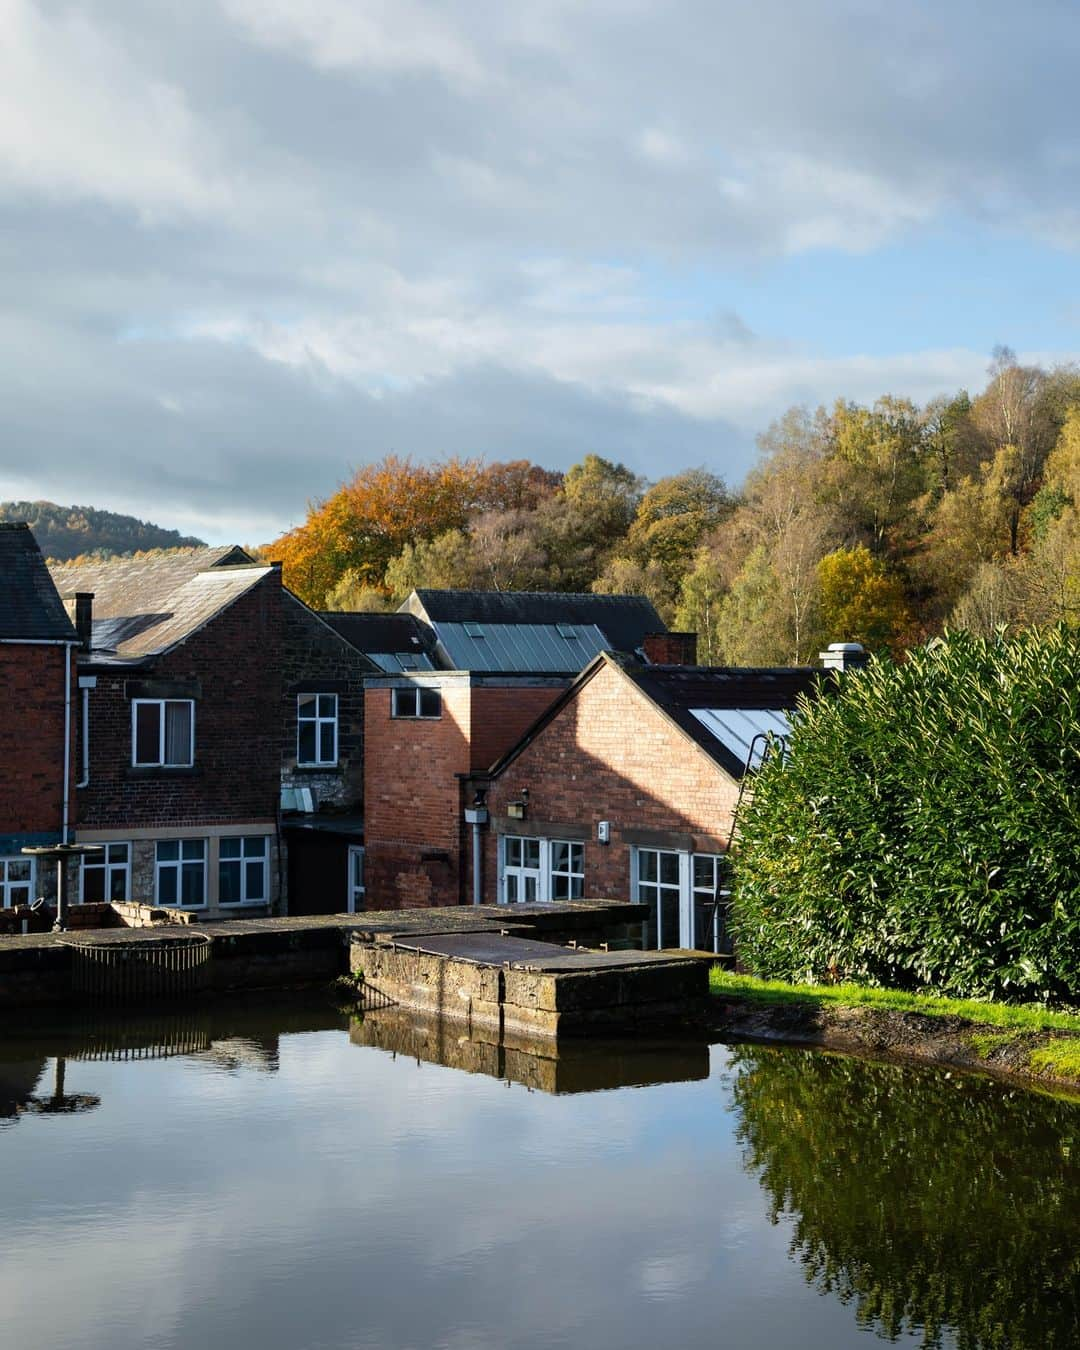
145,605
623,619
719,707
520,647
30,607
394,642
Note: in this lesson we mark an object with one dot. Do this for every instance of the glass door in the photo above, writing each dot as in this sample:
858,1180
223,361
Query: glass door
521,870
356,879
658,884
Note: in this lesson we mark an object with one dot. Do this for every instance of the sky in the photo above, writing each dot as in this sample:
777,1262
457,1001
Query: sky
249,245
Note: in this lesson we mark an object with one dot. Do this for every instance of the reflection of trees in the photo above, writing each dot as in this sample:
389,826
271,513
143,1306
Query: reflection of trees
931,1203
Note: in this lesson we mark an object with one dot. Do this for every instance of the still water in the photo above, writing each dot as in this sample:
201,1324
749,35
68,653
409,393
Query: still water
278,1174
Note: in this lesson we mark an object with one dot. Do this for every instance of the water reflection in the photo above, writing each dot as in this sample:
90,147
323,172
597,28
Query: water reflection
928,1202
284,1175
540,1065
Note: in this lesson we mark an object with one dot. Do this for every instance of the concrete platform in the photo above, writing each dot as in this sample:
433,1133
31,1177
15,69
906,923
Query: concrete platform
510,984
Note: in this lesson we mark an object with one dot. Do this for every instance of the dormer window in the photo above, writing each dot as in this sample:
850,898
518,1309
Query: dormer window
163,733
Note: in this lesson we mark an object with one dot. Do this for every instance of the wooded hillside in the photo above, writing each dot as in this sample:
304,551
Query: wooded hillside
66,532
879,524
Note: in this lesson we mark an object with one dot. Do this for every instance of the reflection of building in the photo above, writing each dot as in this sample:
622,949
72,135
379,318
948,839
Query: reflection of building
543,1065
18,1083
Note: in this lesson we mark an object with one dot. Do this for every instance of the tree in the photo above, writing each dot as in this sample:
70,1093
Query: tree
860,601
877,466
673,518
446,562
626,576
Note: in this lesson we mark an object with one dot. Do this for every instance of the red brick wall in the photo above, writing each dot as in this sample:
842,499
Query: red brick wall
236,777
670,649
412,800
500,717
611,755
413,828
32,738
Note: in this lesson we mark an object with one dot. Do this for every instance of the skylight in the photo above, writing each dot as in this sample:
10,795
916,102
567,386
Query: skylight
566,630
473,630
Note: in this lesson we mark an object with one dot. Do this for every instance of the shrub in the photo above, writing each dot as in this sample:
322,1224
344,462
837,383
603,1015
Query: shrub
924,828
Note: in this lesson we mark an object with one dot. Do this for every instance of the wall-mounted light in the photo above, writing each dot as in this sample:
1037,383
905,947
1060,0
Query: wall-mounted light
516,810
603,831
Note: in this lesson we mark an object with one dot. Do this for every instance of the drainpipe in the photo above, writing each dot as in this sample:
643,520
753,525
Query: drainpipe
476,816
69,658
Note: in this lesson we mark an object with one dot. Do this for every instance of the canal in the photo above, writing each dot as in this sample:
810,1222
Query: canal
279,1174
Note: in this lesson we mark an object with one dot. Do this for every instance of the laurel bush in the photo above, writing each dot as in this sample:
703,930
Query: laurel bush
923,829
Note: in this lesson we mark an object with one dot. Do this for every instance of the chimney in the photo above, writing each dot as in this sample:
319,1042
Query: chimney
670,649
844,656
80,608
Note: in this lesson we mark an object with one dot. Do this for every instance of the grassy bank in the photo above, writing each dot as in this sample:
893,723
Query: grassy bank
1017,1017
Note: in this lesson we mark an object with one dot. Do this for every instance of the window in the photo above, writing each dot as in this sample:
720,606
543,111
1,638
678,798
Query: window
658,885
243,866
473,630
356,879
416,702
567,870
16,882
686,898
541,869
180,872
163,733
106,875
317,729
566,630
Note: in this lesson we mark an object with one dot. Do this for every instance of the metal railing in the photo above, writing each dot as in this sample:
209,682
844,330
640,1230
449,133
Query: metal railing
157,968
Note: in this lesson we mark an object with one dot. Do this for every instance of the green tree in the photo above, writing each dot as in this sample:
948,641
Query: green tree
860,601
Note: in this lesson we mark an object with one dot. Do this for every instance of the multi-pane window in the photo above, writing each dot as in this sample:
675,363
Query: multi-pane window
106,875
180,872
521,870
659,887
317,729
356,879
163,732
567,870
541,869
16,882
416,702
243,870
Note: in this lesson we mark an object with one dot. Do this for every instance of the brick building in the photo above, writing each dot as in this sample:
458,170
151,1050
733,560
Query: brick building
179,757
626,788
37,654
486,665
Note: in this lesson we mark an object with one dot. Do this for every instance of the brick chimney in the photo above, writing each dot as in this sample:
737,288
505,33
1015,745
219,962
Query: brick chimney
670,649
80,609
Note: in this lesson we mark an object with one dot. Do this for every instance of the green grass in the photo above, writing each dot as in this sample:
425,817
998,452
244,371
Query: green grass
1061,1058
1020,1016
984,1043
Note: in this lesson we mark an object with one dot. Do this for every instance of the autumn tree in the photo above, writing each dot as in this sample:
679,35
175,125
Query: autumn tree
860,600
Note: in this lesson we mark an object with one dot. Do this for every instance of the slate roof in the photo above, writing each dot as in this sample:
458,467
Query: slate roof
145,605
760,694
520,630
742,699
383,638
30,607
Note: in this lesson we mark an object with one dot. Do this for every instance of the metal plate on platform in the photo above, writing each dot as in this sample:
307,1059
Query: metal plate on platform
481,949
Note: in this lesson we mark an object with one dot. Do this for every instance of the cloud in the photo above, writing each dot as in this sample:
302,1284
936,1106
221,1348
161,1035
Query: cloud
248,245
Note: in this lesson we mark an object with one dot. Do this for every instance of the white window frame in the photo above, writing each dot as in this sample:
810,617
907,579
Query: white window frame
177,864
543,873
319,720
685,893
161,704
243,860
415,690
100,862
7,886
356,890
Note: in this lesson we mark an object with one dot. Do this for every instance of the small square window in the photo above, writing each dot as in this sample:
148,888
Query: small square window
162,733
415,702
